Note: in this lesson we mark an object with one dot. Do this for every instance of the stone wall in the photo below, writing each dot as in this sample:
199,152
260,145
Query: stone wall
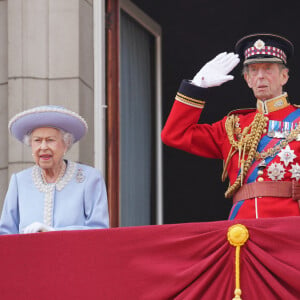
46,57
3,100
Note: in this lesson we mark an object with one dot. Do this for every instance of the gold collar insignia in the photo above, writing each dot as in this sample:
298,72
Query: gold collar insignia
271,105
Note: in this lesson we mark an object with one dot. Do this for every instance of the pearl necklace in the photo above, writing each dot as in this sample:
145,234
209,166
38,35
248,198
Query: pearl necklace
66,174
60,175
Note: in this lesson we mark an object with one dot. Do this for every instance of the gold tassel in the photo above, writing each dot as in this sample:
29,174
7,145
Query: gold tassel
237,236
225,165
240,154
242,165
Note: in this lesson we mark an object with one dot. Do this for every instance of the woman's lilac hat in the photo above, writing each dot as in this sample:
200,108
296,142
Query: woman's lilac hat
47,116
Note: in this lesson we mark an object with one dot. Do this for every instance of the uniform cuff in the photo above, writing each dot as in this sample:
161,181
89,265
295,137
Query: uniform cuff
191,94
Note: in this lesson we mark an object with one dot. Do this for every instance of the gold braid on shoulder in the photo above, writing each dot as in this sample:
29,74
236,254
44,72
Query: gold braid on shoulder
246,146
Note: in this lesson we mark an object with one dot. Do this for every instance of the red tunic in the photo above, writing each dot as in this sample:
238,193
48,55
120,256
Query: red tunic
182,131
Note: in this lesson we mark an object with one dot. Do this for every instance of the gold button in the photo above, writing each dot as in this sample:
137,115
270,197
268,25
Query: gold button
237,235
266,118
260,179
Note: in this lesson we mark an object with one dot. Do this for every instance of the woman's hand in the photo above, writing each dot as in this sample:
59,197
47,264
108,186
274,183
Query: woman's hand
37,227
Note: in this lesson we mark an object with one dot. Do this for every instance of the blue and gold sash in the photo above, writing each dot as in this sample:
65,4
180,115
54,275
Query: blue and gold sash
268,142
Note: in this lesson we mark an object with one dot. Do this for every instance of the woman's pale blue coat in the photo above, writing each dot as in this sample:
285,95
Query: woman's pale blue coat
77,201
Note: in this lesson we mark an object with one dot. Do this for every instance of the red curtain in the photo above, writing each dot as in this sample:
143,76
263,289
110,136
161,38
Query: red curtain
181,261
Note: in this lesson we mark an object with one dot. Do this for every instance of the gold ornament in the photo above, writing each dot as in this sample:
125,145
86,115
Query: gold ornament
283,143
245,146
237,236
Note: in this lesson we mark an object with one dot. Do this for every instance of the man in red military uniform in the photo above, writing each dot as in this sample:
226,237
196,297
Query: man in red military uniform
259,147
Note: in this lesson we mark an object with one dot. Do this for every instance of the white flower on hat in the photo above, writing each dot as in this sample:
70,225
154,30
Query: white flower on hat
259,44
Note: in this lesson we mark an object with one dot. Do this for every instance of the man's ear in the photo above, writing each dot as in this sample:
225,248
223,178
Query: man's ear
284,76
247,79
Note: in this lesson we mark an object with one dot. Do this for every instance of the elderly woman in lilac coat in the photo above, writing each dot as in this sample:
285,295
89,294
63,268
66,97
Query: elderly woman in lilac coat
54,194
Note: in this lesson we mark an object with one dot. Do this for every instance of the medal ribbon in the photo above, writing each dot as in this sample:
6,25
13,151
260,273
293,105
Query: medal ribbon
266,143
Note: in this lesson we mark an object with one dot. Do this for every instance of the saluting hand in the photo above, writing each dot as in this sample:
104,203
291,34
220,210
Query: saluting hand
214,73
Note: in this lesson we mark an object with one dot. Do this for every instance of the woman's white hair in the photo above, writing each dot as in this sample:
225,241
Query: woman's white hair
67,137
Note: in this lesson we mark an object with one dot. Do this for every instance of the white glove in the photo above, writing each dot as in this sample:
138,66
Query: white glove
37,227
214,73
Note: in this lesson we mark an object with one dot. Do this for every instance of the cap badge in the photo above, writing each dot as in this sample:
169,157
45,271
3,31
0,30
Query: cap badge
259,44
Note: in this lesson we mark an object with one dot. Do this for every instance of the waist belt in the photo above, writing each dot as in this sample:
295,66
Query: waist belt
285,189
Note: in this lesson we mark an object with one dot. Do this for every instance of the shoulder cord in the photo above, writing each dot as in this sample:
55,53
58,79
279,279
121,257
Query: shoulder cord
246,145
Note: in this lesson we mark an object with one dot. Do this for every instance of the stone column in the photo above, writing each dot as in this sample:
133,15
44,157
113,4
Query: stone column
3,101
50,61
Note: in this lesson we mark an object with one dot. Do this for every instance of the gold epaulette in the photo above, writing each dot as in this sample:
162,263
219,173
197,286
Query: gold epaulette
241,111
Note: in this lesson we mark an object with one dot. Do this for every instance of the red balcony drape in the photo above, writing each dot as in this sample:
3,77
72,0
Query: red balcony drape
181,261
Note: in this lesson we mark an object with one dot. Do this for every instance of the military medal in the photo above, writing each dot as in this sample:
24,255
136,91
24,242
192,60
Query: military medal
295,171
298,135
262,164
261,167
287,155
279,129
273,127
286,128
276,171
